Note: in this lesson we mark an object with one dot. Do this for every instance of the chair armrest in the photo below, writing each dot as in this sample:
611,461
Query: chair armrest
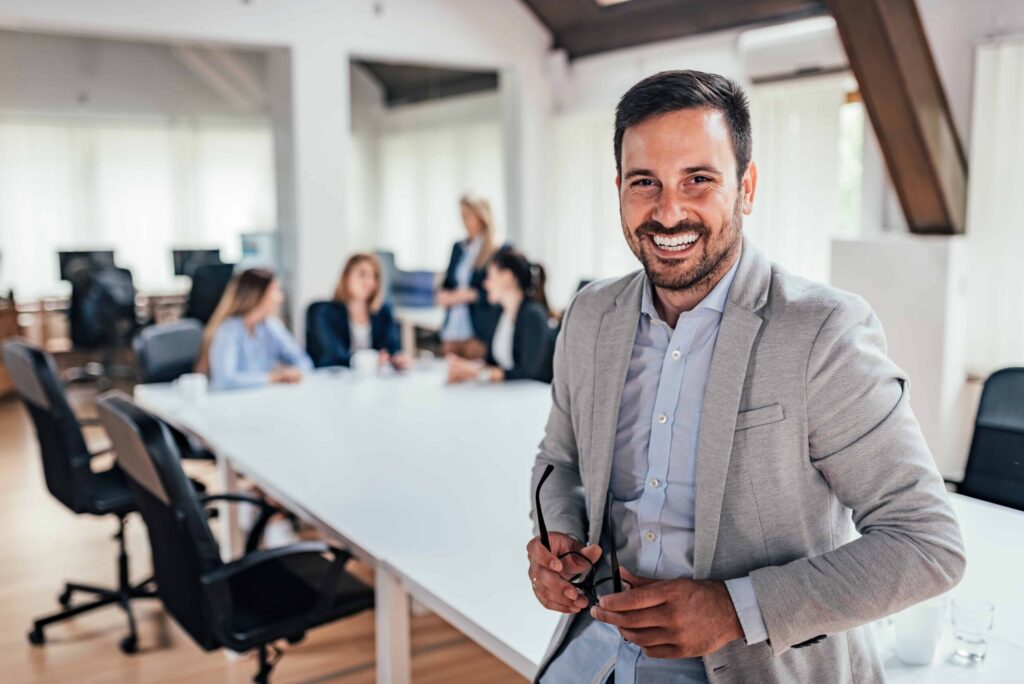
267,511
89,422
105,450
329,582
251,560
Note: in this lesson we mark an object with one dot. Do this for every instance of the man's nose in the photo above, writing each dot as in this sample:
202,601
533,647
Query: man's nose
671,208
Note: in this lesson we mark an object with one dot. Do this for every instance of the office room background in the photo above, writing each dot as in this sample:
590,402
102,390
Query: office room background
323,250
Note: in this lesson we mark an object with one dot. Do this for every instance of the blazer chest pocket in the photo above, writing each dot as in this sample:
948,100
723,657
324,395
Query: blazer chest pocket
759,416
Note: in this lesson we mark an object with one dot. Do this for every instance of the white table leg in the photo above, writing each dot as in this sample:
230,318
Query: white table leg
231,533
392,614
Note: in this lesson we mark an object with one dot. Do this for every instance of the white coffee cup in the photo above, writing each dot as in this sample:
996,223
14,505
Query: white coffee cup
192,387
918,630
365,362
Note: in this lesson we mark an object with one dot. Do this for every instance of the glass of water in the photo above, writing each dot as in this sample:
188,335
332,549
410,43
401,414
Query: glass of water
972,622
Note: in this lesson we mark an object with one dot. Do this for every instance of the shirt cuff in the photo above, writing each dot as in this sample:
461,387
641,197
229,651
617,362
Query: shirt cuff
744,600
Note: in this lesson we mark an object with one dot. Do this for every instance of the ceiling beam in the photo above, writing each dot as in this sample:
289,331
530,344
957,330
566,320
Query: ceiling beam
900,85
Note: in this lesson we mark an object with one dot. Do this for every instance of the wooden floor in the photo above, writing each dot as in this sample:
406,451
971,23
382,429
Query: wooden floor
42,545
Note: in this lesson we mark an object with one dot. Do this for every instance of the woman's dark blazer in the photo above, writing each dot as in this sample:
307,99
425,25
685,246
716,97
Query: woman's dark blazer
533,345
483,314
328,336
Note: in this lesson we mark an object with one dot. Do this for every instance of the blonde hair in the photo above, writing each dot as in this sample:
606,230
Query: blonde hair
242,295
482,209
341,293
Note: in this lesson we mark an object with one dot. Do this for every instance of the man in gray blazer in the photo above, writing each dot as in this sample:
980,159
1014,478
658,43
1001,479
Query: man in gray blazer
728,429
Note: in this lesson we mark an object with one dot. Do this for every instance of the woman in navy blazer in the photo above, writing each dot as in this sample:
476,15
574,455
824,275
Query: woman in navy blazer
356,319
470,318
522,345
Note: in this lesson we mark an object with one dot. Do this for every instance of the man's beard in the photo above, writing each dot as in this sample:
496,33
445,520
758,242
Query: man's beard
708,261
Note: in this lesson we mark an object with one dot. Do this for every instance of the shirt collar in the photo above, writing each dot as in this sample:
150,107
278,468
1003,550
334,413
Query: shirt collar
714,300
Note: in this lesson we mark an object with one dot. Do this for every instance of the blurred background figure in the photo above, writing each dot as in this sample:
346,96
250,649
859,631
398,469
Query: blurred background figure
245,343
523,343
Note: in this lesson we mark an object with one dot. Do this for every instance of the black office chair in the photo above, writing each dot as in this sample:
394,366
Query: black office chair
208,284
995,463
249,603
102,318
168,350
69,477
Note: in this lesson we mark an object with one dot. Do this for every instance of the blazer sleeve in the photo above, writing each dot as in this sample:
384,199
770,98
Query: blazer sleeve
330,328
449,282
531,348
865,441
562,501
389,337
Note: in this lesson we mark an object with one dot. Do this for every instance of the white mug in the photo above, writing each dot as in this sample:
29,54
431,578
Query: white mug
918,630
192,387
365,362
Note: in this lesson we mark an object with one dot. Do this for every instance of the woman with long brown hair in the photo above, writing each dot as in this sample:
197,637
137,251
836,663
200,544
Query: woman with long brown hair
358,318
470,319
245,344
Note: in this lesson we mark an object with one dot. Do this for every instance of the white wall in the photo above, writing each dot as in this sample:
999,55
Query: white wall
322,36
62,75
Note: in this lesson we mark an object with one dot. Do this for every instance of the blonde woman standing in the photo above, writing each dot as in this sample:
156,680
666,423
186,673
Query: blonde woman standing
470,319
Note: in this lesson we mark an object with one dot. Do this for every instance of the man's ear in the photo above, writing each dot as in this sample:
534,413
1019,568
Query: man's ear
748,187
618,182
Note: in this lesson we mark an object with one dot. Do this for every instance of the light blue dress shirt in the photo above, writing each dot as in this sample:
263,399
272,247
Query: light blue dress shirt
239,358
653,485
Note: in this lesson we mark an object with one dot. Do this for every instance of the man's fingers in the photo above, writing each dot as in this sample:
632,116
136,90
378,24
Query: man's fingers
539,555
636,581
634,619
555,600
553,582
647,638
665,651
592,552
647,596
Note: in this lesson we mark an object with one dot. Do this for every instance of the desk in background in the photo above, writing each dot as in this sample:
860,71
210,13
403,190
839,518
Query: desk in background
429,483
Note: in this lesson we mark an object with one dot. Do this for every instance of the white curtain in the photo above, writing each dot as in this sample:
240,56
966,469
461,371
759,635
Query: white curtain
995,210
797,141
422,173
138,187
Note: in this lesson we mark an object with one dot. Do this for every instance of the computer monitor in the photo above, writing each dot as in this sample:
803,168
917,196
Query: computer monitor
73,260
186,261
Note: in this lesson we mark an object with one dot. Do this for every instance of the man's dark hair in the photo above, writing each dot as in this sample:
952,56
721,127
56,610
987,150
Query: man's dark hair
670,91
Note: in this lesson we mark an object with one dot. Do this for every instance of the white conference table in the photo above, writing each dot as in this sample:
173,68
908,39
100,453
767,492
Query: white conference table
430,484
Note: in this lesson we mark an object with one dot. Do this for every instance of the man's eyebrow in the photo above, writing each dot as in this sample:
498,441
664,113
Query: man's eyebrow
705,168
638,172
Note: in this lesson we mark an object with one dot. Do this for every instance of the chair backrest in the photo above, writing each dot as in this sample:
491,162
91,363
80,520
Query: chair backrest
168,350
61,444
995,465
183,547
102,309
389,271
208,284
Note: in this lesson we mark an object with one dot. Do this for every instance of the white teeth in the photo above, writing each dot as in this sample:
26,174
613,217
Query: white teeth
676,242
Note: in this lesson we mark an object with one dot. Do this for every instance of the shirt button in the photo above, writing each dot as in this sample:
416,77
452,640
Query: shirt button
655,483
662,419
650,536
676,355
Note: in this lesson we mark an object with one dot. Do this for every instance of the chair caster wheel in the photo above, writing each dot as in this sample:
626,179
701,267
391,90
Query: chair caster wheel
36,637
129,645
65,599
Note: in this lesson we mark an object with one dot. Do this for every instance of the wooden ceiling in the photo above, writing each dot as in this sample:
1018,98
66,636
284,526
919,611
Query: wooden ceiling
585,27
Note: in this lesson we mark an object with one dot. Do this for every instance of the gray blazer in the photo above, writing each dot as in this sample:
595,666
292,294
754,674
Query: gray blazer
806,437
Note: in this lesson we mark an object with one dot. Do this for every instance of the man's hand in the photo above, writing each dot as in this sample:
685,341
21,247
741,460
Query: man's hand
681,618
550,575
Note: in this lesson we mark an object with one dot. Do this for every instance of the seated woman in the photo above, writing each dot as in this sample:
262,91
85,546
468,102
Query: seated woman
245,344
356,319
523,343
469,319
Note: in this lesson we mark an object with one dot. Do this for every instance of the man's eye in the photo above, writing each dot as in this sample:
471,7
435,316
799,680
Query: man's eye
701,179
643,183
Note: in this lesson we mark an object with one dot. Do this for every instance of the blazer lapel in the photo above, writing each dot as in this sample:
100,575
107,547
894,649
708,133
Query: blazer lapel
615,339
736,336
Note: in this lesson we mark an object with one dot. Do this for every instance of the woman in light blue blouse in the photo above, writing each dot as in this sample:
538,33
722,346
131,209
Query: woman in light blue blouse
245,344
